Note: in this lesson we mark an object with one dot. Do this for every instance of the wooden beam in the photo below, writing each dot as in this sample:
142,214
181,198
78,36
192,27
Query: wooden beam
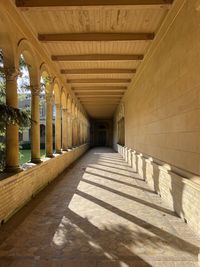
85,37
96,57
99,94
99,88
106,101
100,97
98,80
88,104
97,71
98,91
60,3
99,101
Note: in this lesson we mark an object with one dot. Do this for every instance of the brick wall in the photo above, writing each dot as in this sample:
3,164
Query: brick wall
18,189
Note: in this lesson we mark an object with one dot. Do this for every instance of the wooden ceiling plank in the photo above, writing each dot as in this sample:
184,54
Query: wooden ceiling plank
85,37
99,93
68,3
99,88
96,71
97,57
98,80
100,96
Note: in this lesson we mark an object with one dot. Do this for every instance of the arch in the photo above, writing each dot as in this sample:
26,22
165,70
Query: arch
56,93
44,73
73,108
26,49
69,104
63,99
7,42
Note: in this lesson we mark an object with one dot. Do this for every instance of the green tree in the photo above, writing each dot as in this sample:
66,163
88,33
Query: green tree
8,114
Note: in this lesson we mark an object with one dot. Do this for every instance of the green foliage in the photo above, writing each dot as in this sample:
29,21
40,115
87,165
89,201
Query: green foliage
8,114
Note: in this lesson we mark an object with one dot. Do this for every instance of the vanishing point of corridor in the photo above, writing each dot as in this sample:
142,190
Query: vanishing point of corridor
98,213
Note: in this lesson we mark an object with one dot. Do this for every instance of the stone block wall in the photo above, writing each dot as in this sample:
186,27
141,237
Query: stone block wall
18,189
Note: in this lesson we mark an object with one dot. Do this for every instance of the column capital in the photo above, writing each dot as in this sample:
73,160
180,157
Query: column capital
58,106
49,98
35,90
11,73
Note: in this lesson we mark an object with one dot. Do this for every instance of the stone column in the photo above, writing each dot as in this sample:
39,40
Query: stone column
77,133
69,131
12,138
73,132
49,126
64,129
84,133
81,139
35,127
58,129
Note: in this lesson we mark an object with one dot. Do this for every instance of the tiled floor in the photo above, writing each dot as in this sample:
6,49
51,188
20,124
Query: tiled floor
97,214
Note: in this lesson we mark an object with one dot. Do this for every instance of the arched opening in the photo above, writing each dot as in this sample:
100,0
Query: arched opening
69,122
29,86
121,127
57,117
10,115
42,135
24,103
64,136
2,101
46,129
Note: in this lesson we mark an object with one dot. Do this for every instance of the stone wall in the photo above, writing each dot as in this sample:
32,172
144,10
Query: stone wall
18,189
179,189
162,105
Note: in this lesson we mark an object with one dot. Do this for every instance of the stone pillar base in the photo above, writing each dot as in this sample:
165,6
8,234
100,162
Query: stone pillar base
13,169
50,156
58,151
36,161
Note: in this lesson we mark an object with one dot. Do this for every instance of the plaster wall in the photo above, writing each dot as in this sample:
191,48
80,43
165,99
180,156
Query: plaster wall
162,107
162,114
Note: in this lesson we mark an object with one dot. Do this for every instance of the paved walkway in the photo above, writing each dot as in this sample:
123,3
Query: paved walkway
97,214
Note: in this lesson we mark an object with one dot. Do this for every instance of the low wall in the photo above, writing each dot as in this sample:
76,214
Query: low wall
180,189
18,189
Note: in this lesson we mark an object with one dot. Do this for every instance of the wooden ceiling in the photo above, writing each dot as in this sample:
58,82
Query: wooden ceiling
97,45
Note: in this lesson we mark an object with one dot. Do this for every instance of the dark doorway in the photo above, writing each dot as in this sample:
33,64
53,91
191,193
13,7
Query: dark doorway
102,138
101,132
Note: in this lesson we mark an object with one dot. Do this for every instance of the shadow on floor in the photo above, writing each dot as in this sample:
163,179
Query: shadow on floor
69,227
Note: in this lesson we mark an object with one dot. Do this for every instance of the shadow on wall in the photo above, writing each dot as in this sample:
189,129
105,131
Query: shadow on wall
161,179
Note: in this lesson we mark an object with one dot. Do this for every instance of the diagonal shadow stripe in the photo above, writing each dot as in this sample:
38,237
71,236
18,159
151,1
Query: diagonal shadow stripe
120,182
174,241
141,201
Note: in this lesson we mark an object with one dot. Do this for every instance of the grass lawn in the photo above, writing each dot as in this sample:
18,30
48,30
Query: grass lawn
26,155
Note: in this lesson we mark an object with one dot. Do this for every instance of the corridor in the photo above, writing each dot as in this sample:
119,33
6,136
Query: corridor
98,213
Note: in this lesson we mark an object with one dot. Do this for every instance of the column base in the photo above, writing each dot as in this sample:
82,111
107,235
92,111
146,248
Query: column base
58,151
36,161
13,169
50,156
